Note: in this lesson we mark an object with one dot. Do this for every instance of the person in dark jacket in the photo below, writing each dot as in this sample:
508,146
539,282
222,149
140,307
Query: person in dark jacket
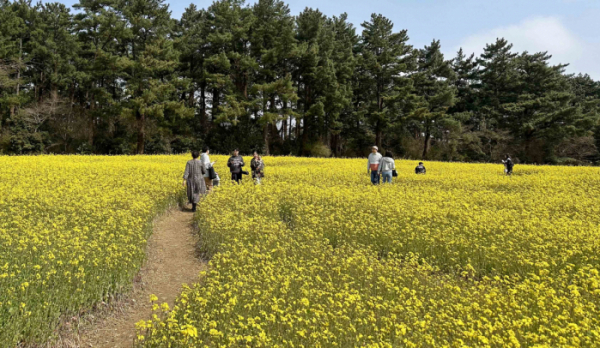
420,169
508,165
235,164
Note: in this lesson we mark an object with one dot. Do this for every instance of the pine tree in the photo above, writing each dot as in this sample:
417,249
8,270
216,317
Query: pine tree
434,84
149,66
53,50
339,94
15,33
498,78
265,96
230,64
49,51
308,73
7,87
101,32
465,69
273,46
546,109
121,76
386,59
194,48
587,95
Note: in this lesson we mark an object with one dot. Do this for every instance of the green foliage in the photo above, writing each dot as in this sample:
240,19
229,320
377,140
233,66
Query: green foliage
124,77
434,84
318,149
386,58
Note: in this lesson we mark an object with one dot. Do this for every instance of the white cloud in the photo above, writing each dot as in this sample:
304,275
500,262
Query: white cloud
540,34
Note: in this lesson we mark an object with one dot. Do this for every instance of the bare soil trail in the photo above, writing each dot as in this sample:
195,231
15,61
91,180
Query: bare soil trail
172,261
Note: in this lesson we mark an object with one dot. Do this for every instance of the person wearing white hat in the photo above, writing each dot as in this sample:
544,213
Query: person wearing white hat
373,165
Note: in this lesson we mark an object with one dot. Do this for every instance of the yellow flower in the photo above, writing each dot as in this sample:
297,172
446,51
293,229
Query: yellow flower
317,256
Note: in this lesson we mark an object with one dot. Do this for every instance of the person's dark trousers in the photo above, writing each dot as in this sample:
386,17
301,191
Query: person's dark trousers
237,177
375,177
193,207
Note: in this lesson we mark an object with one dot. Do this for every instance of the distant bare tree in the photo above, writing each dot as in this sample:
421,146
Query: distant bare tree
579,148
69,124
37,114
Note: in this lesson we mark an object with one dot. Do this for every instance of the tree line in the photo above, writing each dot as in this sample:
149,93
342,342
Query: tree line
124,77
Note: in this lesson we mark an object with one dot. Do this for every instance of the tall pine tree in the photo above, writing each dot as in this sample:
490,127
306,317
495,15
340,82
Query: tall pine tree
434,84
150,66
386,60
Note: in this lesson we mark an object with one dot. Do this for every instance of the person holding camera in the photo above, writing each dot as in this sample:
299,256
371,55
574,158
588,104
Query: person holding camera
508,165
235,164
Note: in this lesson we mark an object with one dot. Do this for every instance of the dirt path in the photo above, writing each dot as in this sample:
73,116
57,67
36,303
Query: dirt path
171,262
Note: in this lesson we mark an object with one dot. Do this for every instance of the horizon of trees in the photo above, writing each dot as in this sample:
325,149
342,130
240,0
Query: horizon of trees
123,77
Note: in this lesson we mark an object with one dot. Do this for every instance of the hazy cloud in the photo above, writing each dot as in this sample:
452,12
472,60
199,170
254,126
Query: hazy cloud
542,34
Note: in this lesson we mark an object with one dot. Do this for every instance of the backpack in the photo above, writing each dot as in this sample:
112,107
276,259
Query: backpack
509,164
211,173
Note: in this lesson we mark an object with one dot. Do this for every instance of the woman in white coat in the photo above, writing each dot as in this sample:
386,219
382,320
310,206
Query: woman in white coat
387,165
205,160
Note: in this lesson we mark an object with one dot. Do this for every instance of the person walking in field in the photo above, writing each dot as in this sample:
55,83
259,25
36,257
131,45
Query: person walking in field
387,165
508,165
193,178
258,168
207,166
235,164
373,165
420,169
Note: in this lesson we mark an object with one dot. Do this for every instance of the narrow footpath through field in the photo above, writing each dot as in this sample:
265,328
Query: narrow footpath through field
171,262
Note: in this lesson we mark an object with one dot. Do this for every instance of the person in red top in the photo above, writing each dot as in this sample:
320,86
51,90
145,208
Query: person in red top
373,165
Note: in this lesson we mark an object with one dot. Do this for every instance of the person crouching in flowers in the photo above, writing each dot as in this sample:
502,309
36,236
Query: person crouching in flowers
420,169
194,178
508,165
386,166
258,166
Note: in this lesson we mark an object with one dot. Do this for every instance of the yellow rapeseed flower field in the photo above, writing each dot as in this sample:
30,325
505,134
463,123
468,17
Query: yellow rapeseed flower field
315,256
461,257
72,230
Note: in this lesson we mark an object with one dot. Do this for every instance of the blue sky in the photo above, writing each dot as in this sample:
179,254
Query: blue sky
568,29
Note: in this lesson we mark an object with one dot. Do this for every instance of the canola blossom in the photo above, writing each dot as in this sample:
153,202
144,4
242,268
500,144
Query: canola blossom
73,230
315,256
461,257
